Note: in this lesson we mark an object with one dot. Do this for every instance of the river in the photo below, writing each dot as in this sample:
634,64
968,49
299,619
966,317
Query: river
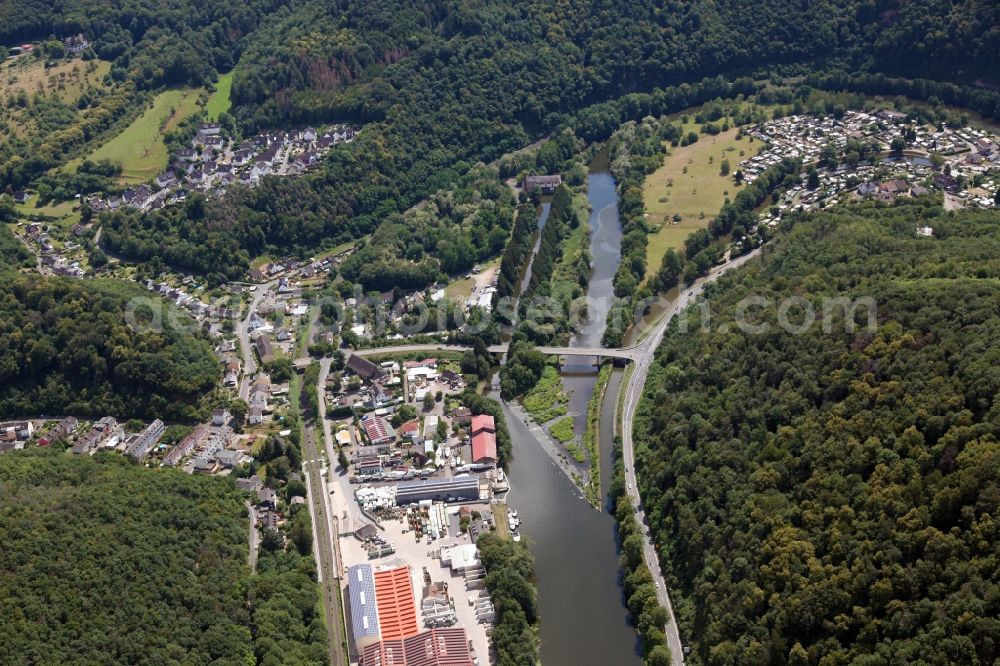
580,374
583,615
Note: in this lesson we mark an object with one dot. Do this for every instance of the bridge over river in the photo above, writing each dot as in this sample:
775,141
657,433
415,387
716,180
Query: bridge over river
623,353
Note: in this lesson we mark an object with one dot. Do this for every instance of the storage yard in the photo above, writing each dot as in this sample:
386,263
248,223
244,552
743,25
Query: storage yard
445,577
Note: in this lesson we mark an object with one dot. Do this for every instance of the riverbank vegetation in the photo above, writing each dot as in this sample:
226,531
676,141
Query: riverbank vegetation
647,615
572,273
592,434
546,400
636,150
562,430
510,570
848,470
109,563
523,369
516,253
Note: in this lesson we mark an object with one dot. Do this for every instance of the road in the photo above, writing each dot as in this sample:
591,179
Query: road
626,353
322,505
645,353
347,511
39,266
243,332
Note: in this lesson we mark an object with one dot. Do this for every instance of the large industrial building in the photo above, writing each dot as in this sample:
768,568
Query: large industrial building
457,488
397,608
382,605
364,612
434,647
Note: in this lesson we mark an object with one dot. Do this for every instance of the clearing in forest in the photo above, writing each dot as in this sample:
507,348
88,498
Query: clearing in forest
140,149
219,101
66,80
690,186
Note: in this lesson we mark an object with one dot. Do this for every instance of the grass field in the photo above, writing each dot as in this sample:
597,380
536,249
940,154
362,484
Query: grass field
65,213
564,277
462,287
66,80
139,149
219,101
689,184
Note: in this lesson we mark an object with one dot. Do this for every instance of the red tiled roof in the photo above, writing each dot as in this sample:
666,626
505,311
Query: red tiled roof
484,447
434,647
397,608
483,422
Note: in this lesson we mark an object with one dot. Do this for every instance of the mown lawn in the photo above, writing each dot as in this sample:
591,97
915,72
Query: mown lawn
689,184
219,102
139,149
66,213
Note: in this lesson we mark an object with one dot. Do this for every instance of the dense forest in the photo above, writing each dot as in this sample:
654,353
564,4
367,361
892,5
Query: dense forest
67,347
439,84
448,235
644,609
108,563
157,44
828,495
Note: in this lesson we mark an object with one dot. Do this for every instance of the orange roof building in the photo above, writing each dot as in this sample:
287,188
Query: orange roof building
484,448
483,423
397,607
434,647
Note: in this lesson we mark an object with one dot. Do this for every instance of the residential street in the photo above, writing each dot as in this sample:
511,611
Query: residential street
243,332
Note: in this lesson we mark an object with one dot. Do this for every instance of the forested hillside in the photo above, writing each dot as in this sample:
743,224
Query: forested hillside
66,347
457,228
831,497
153,44
108,563
440,85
